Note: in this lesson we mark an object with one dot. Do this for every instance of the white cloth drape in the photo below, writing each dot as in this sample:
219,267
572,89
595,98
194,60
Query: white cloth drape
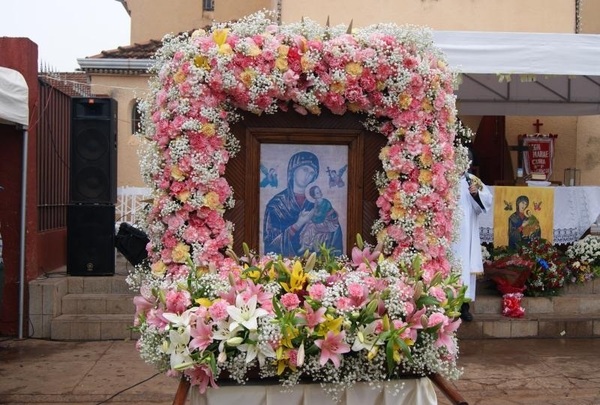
467,248
399,392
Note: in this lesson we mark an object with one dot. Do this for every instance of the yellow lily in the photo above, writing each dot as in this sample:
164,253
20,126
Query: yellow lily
298,278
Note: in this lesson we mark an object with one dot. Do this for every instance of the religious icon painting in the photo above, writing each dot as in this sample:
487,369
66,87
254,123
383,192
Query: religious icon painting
303,198
522,214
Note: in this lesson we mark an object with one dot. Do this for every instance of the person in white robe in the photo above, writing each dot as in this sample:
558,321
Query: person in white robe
474,199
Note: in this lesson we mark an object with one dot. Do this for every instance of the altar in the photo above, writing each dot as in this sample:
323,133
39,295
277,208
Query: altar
397,392
575,210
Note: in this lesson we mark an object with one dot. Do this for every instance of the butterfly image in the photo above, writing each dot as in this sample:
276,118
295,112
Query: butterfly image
537,206
507,206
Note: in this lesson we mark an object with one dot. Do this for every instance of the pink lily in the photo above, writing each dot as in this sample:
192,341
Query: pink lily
332,347
312,317
201,336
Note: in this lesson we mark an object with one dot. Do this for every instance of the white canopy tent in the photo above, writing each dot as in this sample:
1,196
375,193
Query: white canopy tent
516,73
14,93
14,108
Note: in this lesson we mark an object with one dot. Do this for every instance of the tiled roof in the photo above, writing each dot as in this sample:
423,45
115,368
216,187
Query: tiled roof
136,51
74,84
144,50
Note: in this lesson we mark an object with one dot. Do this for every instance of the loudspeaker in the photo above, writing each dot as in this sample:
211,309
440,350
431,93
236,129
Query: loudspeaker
131,242
93,170
90,240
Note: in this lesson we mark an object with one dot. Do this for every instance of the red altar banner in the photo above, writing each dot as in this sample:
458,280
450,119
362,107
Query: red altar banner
538,153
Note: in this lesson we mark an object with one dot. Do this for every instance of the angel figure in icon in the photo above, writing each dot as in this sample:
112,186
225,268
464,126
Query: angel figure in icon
335,177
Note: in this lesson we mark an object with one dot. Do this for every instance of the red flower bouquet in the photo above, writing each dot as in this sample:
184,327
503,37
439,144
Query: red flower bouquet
511,305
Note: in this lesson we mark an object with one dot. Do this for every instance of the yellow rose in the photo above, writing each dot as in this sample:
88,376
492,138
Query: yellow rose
338,87
225,49
404,101
392,174
176,173
425,176
247,77
384,153
380,85
397,212
253,50
158,269
183,196
354,69
426,159
426,137
283,50
208,129
314,109
306,63
199,33
281,63
211,200
181,253
426,105
179,77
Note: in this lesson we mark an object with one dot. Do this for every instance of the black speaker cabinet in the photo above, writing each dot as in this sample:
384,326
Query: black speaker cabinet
93,170
90,240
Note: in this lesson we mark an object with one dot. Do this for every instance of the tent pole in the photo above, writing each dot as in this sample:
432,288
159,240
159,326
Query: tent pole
23,232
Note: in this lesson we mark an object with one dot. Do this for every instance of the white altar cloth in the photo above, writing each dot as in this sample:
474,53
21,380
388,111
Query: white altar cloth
399,392
575,210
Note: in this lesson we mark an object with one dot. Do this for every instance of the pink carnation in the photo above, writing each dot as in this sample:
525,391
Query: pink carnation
290,301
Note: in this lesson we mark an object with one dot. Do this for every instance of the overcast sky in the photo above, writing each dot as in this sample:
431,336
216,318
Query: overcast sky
66,30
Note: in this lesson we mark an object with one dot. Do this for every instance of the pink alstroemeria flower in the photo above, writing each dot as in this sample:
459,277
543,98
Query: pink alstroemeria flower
332,347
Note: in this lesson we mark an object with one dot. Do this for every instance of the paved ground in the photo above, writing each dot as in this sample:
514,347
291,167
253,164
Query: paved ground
496,372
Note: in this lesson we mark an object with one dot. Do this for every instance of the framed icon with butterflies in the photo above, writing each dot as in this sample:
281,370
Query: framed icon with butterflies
522,214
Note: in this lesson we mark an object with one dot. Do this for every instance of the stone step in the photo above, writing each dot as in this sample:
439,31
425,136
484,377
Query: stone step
93,327
104,303
116,284
565,326
582,304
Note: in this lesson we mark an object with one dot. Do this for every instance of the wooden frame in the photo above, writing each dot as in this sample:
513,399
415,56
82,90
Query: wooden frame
257,136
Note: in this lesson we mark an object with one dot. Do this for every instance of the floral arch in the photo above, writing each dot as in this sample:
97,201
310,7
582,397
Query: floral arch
192,292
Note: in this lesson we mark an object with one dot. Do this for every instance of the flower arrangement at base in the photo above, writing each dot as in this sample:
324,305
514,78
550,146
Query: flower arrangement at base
583,263
316,318
202,312
535,269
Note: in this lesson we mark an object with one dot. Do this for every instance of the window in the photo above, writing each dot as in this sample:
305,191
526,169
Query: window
135,118
208,5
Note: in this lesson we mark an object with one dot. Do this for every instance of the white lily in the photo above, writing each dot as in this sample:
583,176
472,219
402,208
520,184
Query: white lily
245,313
178,348
180,320
254,350
366,337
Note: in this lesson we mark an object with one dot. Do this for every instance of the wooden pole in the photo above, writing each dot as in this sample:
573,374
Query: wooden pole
182,392
449,391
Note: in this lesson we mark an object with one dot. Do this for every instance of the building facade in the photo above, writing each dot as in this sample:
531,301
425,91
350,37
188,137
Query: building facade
113,72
